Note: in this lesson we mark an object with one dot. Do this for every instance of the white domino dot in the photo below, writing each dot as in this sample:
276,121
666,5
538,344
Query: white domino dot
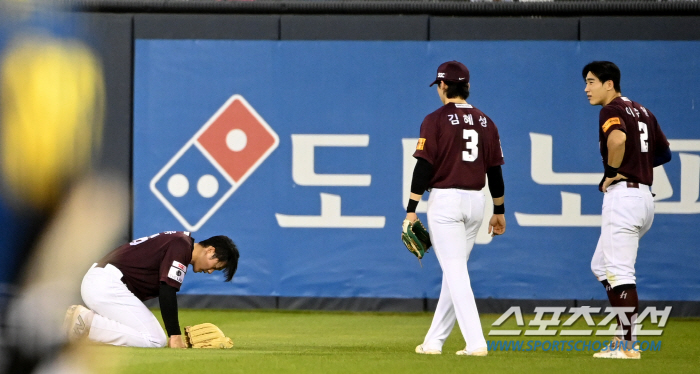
207,186
236,140
178,185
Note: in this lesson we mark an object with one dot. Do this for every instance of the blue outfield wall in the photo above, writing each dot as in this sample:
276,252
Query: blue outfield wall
301,152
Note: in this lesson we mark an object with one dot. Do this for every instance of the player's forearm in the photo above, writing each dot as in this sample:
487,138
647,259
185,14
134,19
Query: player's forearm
616,148
496,184
168,309
497,188
422,174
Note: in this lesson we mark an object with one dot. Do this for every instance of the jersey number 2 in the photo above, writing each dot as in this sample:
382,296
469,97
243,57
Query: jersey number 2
472,152
643,137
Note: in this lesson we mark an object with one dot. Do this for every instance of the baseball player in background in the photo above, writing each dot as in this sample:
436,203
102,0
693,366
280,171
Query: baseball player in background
632,144
115,287
458,146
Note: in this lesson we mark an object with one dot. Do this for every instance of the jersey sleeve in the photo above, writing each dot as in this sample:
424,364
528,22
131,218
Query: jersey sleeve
660,141
427,144
174,265
611,119
494,155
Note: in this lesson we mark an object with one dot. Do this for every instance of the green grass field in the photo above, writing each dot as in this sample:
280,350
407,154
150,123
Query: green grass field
344,342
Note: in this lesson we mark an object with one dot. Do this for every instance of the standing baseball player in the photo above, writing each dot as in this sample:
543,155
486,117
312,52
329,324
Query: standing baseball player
632,144
458,146
115,287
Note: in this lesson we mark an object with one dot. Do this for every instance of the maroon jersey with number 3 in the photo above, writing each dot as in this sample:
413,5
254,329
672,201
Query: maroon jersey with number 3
644,138
147,261
461,143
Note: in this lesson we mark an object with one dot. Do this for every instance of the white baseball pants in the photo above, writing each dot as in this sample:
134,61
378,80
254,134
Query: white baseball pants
627,215
120,317
454,218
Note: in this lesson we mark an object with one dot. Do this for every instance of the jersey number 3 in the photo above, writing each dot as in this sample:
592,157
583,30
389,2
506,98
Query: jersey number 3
472,142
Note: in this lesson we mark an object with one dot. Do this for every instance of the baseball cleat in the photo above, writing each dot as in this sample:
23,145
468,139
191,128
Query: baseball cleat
76,323
478,352
421,350
618,353
617,342
615,350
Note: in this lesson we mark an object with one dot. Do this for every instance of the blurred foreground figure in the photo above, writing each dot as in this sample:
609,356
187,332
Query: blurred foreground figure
51,113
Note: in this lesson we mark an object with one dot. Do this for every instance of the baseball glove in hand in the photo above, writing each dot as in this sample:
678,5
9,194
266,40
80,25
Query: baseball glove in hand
206,335
416,238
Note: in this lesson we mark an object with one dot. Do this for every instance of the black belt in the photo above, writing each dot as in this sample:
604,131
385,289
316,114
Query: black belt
629,184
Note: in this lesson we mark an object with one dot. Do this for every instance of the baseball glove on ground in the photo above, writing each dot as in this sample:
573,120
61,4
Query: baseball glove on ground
206,335
416,238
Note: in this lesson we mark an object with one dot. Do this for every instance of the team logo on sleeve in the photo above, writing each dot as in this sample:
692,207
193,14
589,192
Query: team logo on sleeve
421,144
610,122
177,272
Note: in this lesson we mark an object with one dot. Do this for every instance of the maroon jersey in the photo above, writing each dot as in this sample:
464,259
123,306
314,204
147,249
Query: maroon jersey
644,138
461,143
147,261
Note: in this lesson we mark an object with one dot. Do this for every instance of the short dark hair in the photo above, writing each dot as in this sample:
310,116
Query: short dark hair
456,89
604,71
224,251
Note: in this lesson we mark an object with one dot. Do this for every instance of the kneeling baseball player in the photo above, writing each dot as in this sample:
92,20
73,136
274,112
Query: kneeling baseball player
115,287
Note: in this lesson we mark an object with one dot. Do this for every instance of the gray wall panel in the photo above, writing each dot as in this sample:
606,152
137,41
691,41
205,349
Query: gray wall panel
483,28
220,302
640,28
354,28
201,26
113,38
357,304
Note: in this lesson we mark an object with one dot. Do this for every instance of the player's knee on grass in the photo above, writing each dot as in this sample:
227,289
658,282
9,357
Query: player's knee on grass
159,341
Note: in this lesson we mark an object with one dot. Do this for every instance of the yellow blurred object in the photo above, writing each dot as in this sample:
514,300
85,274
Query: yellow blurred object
51,112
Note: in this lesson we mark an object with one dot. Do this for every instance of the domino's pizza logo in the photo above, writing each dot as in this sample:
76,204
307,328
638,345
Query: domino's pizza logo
214,163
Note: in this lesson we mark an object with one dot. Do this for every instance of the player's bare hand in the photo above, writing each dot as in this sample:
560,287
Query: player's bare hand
608,181
176,341
497,224
412,217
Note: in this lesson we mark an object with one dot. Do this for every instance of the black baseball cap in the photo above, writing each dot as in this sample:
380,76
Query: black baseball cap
452,71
